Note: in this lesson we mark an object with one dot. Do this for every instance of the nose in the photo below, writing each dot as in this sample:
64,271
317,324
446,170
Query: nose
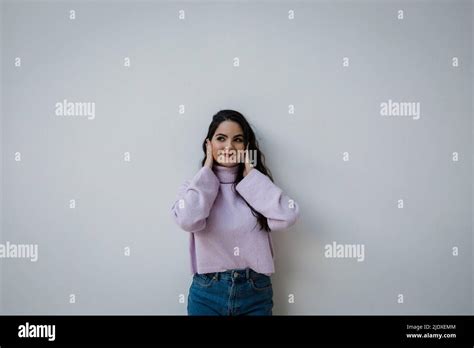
228,145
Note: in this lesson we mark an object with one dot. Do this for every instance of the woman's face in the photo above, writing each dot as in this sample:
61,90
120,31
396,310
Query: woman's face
228,144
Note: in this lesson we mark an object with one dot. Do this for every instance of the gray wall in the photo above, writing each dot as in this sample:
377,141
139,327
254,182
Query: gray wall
283,62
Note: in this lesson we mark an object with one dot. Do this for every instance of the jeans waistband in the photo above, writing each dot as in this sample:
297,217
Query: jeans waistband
243,273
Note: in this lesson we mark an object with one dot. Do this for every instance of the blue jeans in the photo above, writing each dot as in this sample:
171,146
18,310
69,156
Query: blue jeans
233,292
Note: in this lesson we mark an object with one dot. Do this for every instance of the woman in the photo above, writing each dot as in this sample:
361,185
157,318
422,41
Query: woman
230,207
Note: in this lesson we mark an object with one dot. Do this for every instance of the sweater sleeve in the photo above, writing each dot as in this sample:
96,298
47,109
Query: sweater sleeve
195,199
269,200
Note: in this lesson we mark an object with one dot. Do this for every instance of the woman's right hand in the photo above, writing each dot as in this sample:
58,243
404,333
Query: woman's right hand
209,159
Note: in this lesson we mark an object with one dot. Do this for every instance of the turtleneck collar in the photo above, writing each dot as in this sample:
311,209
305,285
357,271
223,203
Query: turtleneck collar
226,175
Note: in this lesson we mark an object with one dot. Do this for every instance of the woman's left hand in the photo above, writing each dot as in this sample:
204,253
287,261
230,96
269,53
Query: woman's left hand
248,165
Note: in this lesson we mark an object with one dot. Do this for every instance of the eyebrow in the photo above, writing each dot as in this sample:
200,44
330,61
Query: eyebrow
238,135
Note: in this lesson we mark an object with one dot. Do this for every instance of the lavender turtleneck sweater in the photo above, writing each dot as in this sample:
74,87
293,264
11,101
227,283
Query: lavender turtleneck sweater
224,234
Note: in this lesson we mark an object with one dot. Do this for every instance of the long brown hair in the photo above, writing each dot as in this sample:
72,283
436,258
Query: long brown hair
249,138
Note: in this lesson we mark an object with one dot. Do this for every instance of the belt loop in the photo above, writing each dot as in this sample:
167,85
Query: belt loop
247,272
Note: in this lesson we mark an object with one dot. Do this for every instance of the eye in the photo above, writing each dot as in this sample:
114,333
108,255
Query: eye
220,138
239,140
